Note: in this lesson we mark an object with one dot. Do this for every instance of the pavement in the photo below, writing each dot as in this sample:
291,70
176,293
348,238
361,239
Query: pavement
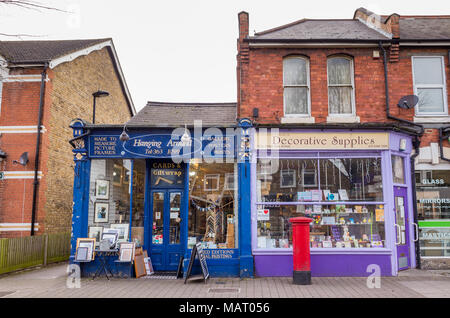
53,282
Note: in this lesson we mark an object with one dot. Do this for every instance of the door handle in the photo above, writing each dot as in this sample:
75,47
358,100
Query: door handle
398,234
417,232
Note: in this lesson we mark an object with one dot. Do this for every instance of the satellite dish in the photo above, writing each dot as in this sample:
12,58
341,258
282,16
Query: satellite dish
408,102
23,159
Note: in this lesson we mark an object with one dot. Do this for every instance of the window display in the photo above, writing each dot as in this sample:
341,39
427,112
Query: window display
337,179
109,204
344,197
333,226
137,222
212,205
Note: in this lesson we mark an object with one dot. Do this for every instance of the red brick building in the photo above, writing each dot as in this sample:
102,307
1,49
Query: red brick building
48,84
334,72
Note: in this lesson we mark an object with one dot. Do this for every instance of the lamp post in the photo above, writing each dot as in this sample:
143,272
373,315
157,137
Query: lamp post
95,95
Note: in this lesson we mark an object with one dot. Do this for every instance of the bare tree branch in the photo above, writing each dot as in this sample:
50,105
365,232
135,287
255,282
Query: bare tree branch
32,5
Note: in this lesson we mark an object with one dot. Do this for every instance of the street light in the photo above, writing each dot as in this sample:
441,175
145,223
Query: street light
95,95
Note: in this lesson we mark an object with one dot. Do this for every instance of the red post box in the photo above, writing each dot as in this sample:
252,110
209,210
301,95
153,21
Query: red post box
302,255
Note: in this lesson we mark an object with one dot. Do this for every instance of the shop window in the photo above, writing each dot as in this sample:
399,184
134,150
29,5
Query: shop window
433,195
334,226
341,179
340,86
344,196
398,169
296,86
435,242
212,205
109,204
429,85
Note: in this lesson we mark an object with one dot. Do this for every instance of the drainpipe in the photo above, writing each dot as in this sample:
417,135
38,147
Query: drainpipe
416,144
38,146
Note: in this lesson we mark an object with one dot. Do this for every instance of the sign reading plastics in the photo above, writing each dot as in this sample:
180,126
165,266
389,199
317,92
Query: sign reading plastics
325,140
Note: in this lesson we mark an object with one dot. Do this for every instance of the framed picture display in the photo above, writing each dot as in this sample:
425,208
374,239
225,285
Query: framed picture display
287,178
101,212
123,231
117,175
229,181
85,250
102,189
110,236
126,176
126,252
96,232
212,182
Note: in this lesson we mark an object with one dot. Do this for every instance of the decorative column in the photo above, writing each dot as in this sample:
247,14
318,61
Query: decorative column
80,184
244,181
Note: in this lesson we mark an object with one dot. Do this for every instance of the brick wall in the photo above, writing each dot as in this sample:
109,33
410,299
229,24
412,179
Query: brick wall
262,85
68,95
73,86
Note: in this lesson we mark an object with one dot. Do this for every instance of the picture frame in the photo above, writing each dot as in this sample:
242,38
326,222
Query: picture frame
102,189
101,212
87,252
229,181
96,232
309,178
123,231
287,178
117,175
212,182
111,237
126,176
126,251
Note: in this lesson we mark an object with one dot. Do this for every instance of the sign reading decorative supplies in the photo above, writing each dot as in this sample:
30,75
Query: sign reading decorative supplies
264,215
324,140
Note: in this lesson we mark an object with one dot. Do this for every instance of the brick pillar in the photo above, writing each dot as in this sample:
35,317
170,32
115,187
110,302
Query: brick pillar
242,58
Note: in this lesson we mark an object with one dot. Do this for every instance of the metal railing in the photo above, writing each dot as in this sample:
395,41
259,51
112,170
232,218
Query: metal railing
24,252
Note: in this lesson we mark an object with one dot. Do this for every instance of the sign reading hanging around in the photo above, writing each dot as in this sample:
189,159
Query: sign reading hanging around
324,140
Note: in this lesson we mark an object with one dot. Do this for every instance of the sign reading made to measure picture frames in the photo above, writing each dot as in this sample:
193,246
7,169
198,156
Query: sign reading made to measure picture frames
322,140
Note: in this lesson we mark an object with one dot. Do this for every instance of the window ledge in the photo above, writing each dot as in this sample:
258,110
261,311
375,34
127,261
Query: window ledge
298,120
432,119
343,119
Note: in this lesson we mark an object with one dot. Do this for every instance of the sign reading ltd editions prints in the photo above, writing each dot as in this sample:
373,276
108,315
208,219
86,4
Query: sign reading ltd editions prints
322,140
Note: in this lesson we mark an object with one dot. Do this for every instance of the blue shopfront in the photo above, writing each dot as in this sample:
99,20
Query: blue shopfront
166,189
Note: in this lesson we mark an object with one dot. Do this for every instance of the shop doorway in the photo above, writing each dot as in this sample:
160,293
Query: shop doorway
166,227
402,228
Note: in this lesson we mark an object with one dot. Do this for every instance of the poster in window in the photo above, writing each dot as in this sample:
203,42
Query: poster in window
287,178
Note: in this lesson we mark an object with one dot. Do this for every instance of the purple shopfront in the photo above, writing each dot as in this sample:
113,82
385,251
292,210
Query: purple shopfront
355,185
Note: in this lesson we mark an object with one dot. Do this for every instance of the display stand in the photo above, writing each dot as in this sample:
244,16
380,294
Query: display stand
205,273
103,262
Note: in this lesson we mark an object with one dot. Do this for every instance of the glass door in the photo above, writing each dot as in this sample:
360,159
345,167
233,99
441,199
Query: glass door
166,248
402,229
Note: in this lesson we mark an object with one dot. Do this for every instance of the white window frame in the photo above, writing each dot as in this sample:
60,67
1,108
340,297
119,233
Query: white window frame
294,179
308,87
442,86
352,70
208,177
3,75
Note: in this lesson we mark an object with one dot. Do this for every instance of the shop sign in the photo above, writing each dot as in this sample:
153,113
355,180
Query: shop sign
165,175
325,140
161,146
220,253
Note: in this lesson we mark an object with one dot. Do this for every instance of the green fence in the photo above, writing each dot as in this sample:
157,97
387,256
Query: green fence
24,252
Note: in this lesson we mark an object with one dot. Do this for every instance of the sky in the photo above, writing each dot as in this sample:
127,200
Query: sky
182,51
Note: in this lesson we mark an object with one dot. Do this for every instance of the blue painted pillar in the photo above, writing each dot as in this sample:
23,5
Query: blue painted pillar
244,181
80,186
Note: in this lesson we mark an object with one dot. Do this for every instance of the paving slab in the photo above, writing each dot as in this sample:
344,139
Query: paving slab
53,282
